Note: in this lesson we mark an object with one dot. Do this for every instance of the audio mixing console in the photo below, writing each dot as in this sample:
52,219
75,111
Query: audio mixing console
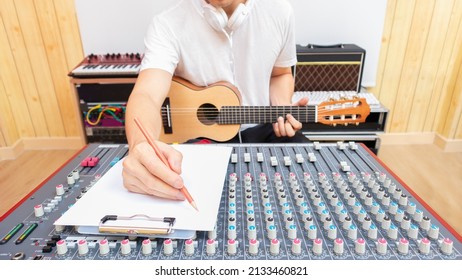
329,201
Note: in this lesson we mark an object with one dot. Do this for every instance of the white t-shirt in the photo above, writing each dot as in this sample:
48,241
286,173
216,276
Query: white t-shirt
181,41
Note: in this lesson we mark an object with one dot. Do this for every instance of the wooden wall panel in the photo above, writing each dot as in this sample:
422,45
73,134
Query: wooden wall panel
419,66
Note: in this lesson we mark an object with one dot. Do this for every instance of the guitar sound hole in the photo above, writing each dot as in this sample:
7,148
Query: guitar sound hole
207,114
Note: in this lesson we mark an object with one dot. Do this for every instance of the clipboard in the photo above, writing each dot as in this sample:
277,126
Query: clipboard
108,208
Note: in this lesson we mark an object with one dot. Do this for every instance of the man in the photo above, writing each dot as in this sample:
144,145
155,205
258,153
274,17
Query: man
248,43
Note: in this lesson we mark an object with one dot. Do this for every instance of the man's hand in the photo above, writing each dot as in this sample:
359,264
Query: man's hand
291,125
145,173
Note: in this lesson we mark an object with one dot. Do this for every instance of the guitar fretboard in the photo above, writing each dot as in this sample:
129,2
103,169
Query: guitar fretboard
264,114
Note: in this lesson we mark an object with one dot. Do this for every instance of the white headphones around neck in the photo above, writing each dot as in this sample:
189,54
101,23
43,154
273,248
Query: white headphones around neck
218,19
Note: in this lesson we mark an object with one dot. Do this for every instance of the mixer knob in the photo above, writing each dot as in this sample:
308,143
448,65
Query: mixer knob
70,179
308,222
59,228
413,231
375,207
382,245
386,222
271,232
433,232
386,199
125,247
296,246
360,246
316,199
424,246
250,222
425,223
338,207
327,222
38,210
338,246
189,247
60,189
251,232
292,232
269,221
352,232
211,247
372,232
405,223
82,246
212,234
418,215
397,193
317,246
366,223
399,215
356,207
403,246
168,247
312,232
103,247
61,247
275,247
392,232
332,232
380,215
146,247
446,246
253,247
403,199
368,200
411,207
351,199
232,232
334,200
347,222
232,247
393,208
306,214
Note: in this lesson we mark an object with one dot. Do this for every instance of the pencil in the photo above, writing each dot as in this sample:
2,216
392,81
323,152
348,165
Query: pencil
164,160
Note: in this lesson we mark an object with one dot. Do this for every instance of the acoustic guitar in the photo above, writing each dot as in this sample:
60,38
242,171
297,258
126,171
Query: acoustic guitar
215,112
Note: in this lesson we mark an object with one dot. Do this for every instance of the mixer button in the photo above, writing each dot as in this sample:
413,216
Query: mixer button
317,246
189,247
232,247
360,246
253,247
103,247
275,247
424,246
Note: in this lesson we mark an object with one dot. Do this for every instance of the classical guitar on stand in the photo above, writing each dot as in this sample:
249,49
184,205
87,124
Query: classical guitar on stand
215,112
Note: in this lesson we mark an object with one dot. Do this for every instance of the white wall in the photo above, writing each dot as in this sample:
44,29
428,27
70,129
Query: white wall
112,26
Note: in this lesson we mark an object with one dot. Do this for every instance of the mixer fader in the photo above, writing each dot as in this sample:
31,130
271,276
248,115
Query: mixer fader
319,201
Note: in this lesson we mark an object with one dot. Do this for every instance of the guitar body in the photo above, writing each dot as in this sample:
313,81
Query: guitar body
192,110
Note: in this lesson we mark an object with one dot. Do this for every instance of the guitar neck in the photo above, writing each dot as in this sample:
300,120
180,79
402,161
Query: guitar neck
264,114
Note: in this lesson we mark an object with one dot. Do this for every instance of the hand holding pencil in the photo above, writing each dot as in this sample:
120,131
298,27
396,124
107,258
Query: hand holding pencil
161,156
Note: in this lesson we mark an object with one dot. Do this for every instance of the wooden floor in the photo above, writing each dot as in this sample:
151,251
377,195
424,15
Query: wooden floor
433,175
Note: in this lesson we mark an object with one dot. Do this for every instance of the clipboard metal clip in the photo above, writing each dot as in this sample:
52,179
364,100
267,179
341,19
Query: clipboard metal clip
138,224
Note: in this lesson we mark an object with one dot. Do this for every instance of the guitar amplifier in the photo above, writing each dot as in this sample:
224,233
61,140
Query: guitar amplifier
329,68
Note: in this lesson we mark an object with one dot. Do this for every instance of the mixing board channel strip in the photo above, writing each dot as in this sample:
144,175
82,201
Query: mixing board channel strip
279,202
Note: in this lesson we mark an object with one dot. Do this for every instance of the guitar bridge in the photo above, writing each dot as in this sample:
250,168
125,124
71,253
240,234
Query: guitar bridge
166,116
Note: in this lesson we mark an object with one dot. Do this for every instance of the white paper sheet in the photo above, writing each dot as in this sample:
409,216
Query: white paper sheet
204,170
